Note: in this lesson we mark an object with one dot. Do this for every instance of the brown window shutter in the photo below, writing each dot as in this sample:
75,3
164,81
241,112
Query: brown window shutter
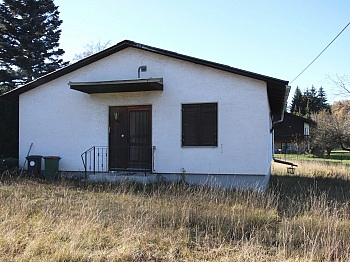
199,124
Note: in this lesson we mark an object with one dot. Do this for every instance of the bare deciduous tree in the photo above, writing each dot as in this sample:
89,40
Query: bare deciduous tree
333,128
341,84
325,132
341,111
91,49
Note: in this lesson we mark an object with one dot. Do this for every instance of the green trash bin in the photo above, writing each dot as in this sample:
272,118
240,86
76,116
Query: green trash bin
51,167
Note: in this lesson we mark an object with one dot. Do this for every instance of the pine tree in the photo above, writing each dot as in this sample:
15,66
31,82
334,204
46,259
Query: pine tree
296,102
313,101
306,103
29,41
322,100
310,102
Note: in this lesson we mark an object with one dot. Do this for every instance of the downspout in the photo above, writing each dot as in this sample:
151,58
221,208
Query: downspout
279,121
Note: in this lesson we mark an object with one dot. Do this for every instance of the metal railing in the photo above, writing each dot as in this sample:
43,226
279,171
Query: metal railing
95,159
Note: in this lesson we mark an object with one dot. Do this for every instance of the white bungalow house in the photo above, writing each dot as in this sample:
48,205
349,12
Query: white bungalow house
134,107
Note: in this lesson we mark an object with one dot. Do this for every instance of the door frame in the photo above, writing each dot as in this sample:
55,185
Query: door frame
119,142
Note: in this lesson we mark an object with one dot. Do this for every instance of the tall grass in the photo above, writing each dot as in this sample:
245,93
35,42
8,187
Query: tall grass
72,221
314,169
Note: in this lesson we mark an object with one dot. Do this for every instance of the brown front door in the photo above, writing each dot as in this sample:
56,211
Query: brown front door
130,138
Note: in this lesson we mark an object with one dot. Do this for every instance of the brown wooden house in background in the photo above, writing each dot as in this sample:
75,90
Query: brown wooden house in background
292,135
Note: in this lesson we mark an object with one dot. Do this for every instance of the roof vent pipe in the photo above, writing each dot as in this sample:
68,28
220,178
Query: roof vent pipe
141,69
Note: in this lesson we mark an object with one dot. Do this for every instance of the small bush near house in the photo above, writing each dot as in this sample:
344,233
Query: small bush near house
317,152
8,163
297,219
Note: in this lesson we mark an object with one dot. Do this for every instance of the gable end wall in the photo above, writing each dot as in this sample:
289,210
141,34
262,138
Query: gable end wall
64,122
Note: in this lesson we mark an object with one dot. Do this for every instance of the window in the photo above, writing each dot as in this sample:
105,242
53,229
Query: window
199,124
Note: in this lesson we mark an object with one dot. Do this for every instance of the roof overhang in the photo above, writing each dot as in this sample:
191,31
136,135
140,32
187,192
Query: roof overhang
278,98
117,86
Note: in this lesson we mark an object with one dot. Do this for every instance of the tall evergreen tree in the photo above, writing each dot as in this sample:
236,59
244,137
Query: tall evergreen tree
322,100
296,105
29,41
310,102
313,100
306,104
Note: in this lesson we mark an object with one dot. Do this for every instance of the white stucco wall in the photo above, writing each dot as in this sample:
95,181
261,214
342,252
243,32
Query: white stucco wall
65,122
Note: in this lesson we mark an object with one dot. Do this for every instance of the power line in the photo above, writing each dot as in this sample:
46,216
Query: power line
320,53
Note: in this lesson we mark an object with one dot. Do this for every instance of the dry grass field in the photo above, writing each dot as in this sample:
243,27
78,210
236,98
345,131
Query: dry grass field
301,217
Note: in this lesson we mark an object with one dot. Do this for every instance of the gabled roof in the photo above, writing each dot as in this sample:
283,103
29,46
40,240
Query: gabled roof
299,118
276,88
291,126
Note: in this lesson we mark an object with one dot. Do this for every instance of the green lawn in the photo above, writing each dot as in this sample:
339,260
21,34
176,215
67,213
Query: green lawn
337,156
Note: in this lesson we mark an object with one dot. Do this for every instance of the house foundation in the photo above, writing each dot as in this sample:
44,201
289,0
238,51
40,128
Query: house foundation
256,183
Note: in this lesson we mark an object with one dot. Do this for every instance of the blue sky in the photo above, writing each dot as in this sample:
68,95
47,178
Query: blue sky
274,38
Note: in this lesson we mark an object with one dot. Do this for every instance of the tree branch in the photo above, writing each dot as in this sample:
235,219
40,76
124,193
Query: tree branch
344,148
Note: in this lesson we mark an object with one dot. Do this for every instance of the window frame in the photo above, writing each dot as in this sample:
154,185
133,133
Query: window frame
199,124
